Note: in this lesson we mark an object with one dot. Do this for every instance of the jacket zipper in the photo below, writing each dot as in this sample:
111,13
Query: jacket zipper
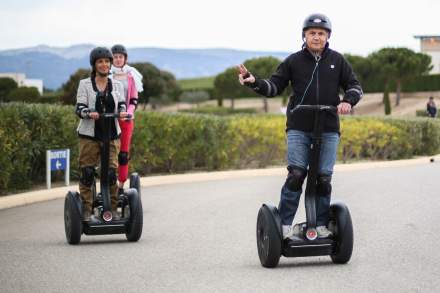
317,58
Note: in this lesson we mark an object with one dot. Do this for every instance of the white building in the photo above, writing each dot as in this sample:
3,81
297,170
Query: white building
21,80
38,83
430,45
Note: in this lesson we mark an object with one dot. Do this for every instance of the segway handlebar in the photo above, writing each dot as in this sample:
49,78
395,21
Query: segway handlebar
318,108
114,115
111,115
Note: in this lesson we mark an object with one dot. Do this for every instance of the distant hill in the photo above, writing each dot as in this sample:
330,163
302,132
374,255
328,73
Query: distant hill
55,64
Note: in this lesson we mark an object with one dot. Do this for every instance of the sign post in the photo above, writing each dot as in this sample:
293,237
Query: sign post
58,160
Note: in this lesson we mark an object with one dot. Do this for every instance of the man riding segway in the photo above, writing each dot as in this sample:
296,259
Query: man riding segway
316,74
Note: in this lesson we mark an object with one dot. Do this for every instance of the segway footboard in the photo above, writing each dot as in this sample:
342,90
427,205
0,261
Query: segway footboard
103,228
303,247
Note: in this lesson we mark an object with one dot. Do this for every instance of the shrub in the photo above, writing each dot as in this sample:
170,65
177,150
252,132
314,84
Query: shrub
23,94
388,138
221,111
166,143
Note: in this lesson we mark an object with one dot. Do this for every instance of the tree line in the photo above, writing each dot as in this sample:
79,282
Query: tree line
385,70
159,86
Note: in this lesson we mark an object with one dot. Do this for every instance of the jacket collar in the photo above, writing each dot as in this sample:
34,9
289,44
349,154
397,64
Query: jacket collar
309,55
109,88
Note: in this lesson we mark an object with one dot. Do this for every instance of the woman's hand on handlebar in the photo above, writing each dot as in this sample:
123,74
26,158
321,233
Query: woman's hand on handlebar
344,108
124,116
94,115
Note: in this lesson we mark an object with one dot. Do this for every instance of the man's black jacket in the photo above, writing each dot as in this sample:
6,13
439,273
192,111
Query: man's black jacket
322,77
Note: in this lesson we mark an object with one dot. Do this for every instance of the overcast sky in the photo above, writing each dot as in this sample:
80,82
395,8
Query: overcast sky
359,27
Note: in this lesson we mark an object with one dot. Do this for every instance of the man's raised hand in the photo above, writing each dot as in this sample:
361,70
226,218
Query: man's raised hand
244,76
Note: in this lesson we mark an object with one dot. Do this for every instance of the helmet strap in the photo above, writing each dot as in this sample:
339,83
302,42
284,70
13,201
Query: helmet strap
99,74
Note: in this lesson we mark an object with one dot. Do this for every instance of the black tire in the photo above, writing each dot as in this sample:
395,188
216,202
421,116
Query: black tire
72,218
343,234
135,222
135,183
268,238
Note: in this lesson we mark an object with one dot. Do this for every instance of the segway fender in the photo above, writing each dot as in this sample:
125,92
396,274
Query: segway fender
73,217
135,223
135,182
341,209
273,210
269,237
344,236
132,196
76,198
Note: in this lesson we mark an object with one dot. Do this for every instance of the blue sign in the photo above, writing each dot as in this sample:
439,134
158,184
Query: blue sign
58,159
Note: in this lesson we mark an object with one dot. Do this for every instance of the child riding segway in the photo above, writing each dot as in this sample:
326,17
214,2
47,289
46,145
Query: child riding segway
131,79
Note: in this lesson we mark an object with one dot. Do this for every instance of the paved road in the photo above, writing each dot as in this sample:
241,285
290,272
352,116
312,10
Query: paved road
200,237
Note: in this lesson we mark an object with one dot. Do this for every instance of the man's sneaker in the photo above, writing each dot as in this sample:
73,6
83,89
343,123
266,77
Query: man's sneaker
290,232
323,232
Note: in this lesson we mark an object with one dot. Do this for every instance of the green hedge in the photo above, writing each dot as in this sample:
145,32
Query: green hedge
50,98
416,84
422,83
421,113
424,113
26,132
177,142
388,138
166,143
222,111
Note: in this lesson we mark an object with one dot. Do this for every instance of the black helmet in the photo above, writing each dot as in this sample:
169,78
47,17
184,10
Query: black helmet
317,20
100,52
119,49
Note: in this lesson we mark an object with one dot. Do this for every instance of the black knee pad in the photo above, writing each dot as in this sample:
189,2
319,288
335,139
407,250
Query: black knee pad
324,187
295,178
123,158
87,175
112,176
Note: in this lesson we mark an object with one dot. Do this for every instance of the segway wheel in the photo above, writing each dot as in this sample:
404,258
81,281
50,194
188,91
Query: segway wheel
72,218
135,182
268,238
135,222
343,233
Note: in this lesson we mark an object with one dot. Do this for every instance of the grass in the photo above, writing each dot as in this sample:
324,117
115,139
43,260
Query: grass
197,83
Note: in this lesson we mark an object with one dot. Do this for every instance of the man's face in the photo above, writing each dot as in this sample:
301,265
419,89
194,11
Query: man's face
316,38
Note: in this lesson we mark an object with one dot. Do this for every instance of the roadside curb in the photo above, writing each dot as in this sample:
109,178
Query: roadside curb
60,192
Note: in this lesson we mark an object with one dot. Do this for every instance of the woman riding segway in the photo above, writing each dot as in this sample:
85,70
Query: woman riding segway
99,105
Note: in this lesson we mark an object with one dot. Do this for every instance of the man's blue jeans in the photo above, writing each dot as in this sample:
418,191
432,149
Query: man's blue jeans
298,149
